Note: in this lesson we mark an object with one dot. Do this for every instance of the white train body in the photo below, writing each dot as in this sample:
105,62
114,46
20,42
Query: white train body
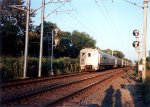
89,59
93,59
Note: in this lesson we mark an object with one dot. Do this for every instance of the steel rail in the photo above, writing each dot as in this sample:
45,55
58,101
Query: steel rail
41,90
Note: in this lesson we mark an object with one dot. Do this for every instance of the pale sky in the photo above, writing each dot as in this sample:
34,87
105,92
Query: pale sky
110,23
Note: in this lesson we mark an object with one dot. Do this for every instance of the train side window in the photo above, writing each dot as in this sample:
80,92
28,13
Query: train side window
103,58
89,54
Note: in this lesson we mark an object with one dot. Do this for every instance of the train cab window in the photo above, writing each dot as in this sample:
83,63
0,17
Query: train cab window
83,54
89,54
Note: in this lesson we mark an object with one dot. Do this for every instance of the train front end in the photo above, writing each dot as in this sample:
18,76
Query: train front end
89,59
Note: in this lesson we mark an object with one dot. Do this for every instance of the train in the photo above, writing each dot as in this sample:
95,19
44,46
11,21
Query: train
94,59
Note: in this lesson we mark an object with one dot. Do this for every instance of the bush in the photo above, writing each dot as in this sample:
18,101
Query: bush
12,68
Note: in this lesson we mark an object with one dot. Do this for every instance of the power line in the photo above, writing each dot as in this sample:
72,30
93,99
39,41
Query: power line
83,19
108,20
55,9
106,10
101,11
133,3
80,20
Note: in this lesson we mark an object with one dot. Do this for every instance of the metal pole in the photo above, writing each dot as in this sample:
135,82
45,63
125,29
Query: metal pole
138,62
41,39
26,39
144,40
52,54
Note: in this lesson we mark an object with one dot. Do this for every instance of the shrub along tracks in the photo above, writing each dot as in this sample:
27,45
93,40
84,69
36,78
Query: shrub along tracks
58,90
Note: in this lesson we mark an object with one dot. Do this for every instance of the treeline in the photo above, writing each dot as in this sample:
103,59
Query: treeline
12,34
70,43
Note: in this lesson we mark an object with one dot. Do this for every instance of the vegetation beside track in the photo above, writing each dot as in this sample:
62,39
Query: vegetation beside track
11,68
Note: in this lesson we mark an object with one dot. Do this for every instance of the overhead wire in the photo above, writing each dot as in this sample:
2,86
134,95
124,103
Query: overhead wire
55,9
112,25
108,20
76,19
81,20
101,11
66,22
133,3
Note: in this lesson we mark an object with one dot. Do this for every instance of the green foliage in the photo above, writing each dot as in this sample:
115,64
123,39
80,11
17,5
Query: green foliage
119,54
148,62
108,51
71,44
11,43
48,26
12,68
82,40
12,28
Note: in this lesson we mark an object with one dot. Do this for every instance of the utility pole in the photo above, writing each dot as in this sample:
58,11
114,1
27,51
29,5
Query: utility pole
144,40
41,39
26,39
52,52
42,30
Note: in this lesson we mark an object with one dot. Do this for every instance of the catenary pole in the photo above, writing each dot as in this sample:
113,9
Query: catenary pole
144,40
26,39
52,52
41,39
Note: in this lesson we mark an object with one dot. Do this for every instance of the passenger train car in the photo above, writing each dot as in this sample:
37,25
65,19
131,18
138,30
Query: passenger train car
93,59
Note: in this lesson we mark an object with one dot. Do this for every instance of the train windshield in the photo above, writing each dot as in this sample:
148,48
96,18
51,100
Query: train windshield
89,54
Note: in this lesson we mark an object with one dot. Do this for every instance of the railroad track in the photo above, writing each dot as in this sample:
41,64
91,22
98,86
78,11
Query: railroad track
9,90
25,81
75,96
35,96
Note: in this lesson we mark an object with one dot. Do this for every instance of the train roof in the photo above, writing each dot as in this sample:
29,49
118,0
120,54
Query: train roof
88,50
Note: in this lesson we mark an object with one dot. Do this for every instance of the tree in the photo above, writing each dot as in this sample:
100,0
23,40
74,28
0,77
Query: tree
71,44
65,48
108,51
118,54
48,26
10,42
12,27
34,44
82,40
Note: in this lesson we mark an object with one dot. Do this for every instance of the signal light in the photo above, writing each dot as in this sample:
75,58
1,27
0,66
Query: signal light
135,44
136,32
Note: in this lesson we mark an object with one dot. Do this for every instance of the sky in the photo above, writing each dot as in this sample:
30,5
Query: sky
109,22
